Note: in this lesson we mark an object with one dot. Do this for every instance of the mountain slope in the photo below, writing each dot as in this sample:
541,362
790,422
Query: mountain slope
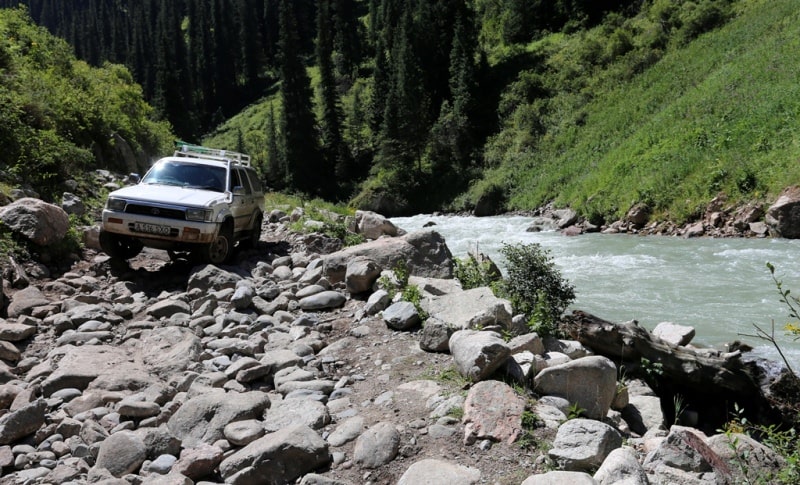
718,115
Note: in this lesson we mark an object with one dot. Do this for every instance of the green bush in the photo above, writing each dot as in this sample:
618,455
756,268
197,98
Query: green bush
472,273
535,286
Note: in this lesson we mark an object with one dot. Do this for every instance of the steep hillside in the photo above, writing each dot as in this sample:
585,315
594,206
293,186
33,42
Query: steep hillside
718,114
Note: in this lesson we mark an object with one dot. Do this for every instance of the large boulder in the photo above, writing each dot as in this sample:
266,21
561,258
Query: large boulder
783,216
590,383
279,457
202,419
477,354
475,308
583,444
372,225
424,252
42,223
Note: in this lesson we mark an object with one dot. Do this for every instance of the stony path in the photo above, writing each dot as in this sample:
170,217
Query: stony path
266,371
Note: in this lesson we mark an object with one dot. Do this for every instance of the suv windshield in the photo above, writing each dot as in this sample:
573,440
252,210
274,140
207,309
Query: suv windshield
190,175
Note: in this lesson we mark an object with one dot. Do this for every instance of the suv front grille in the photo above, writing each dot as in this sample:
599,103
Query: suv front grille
148,210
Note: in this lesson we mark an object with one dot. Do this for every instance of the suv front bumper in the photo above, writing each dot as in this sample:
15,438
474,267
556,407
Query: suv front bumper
158,228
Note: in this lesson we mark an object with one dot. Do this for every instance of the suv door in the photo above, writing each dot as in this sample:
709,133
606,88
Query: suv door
244,204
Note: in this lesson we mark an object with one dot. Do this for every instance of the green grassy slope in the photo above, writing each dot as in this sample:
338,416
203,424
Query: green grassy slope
719,115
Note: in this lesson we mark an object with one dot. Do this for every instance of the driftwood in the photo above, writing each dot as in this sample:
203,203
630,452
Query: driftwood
700,370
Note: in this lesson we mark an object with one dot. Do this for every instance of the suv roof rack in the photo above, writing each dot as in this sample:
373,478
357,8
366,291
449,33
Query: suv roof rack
184,149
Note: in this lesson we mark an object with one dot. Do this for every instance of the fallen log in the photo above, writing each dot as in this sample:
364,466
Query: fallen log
701,369
711,383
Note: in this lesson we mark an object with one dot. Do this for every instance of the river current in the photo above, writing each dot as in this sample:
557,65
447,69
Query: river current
721,287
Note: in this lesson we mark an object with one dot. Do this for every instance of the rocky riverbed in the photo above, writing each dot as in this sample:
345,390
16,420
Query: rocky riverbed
294,364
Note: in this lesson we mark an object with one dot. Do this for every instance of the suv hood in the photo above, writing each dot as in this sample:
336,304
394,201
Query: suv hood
169,194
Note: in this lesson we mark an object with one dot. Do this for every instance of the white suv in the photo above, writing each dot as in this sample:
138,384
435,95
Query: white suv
200,199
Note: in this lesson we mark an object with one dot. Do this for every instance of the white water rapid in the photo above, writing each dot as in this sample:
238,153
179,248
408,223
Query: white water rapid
721,287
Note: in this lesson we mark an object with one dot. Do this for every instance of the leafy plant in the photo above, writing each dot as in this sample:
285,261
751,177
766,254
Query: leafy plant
535,286
527,439
793,304
575,411
784,442
472,273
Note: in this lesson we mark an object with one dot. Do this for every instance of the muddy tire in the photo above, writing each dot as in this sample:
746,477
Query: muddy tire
119,247
254,236
220,250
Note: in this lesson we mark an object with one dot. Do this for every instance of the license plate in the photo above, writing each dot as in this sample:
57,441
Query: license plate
151,228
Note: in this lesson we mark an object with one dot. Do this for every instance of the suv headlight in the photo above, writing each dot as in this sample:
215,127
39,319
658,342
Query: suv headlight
198,215
116,205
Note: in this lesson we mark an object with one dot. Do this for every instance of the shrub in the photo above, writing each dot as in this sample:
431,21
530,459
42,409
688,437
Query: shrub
472,273
534,286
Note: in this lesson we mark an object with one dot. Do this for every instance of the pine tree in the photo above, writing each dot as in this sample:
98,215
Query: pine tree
333,146
305,165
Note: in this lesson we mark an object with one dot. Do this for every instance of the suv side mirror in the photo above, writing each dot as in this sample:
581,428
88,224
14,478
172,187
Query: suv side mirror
133,178
238,190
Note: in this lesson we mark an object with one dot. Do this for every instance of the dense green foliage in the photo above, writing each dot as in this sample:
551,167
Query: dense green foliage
413,106
60,118
645,109
535,286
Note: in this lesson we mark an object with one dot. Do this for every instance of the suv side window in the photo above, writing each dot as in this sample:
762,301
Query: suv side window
241,179
254,180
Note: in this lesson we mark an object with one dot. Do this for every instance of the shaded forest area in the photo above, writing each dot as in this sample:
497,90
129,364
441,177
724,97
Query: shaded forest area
410,71
396,106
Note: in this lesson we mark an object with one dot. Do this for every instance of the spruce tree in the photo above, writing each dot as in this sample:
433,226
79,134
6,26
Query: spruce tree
304,163
333,146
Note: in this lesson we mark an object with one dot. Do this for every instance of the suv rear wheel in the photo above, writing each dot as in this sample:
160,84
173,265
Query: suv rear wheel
219,251
119,247
254,236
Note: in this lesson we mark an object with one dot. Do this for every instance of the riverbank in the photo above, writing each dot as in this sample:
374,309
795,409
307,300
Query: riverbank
720,286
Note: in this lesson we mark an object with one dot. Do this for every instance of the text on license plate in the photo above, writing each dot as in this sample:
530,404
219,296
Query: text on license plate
151,228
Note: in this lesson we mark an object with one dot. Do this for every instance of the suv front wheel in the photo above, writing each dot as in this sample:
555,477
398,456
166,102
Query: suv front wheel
219,251
118,246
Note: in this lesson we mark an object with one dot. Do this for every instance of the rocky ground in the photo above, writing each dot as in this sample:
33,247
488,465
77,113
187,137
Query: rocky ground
272,370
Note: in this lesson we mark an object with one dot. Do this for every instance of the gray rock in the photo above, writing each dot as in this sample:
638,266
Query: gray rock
783,217
377,302
208,278
361,274
435,336
377,446
475,308
674,334
560,477
277,458
202,419
243,295
22,422
242,433
590,383
346,431
322,301
121,453
372,225
622,467
583,444
198,462
40,222
478,354
26,300
290,412
432,471
424,252
685,451
15,332
168,307
761,460
643,413
402,315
